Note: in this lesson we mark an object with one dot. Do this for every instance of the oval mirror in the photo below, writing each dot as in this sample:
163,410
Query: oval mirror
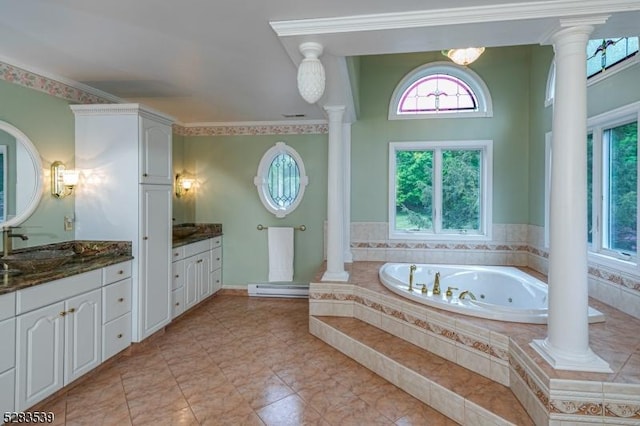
20,176
281,179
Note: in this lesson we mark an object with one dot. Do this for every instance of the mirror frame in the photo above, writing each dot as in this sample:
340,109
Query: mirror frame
35,158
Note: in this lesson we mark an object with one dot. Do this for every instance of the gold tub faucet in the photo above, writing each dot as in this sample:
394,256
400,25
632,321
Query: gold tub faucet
449,292
436,285
465,293
412,269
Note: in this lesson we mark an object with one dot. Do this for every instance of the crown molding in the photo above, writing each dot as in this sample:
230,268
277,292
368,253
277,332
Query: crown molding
51,84
122,109
452,16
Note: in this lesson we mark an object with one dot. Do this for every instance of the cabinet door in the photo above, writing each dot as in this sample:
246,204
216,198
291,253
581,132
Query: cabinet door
215,278
191,281
154,286
155,152
39,356
205,281
83,334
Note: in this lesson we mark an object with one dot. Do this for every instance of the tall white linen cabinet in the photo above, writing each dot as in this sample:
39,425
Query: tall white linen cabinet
123,153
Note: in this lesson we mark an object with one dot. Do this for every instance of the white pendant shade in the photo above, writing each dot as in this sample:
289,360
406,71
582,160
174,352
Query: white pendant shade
464,56
311,77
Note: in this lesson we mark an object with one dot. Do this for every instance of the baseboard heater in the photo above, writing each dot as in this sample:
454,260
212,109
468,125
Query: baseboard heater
275,289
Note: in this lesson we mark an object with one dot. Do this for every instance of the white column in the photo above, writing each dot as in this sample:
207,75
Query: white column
335,198
567,344
346,179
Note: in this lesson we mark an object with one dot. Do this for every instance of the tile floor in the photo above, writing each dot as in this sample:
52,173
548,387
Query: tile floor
235,361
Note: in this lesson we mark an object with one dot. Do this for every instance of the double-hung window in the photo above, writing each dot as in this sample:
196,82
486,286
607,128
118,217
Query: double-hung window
612,185
440,190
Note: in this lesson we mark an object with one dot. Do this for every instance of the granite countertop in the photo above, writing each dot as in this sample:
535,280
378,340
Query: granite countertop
203,231
89,255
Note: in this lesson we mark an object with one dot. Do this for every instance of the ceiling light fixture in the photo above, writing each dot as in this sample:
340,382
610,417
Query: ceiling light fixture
463,56
311,78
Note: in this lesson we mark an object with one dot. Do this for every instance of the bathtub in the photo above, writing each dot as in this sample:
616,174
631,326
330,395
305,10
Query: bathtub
501,293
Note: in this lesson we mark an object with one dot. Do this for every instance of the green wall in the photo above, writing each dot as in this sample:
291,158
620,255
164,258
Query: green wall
184,206
49,123
225,167
506,72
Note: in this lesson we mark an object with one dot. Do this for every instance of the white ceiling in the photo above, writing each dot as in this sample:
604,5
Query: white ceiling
235,61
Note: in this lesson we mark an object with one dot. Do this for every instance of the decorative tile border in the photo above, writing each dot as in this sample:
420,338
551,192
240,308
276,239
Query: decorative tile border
31,80
252,130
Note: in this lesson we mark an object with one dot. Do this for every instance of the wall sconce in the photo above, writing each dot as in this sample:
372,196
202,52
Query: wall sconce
183,185
311,78
62,180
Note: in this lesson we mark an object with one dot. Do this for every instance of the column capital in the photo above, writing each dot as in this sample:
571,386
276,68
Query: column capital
568,26
335,111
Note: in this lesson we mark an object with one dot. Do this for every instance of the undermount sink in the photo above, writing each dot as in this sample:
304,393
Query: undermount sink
37,260
184,231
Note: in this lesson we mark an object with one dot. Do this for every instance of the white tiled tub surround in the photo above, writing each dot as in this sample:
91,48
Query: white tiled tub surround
512,245
491,354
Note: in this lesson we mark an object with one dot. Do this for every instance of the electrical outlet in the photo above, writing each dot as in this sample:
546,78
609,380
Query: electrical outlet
68,223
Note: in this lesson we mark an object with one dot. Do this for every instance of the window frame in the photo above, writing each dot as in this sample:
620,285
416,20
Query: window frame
468,76
486,191
261,180
596,251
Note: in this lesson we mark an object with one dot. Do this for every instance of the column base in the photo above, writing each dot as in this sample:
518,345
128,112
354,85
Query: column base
561,360
335,276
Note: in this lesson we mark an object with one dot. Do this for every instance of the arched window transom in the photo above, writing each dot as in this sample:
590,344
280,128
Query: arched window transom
440,89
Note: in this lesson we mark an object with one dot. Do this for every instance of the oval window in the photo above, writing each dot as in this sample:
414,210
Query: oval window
281,179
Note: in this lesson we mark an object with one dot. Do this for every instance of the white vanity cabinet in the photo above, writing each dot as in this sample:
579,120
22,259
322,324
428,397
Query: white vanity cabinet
196,273
8,352
124,152
58,335
63,329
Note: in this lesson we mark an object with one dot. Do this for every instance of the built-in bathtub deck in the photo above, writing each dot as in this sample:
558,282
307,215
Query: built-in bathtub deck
500,351
461,394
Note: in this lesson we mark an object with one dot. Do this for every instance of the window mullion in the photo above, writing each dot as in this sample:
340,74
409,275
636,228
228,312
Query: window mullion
437,191
598,181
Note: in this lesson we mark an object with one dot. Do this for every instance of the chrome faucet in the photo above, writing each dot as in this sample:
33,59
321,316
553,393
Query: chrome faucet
412,269
7,239
436,285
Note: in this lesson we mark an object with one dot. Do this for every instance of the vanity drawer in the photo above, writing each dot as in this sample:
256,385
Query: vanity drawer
116,299
177,302
216,242
8,339
177,253
216,259
7,305
117,272
177,274
116,336
195,248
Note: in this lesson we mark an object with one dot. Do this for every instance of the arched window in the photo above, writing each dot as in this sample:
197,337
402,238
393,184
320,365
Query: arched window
440,89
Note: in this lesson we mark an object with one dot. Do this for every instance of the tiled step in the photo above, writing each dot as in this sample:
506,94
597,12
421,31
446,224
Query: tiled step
458,393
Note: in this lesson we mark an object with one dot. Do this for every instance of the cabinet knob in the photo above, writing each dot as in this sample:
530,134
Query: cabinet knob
121,299
120,272
72,310
176,254
63,313
177,276
120,336
145,174
217,258
177,303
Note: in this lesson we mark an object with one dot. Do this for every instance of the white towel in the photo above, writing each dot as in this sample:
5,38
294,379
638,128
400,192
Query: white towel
280,253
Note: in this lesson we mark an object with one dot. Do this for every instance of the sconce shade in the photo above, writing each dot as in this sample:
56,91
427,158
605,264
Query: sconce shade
183,185
311,77
62,180
464,56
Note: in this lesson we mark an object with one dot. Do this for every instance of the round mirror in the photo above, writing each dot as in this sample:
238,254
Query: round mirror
20,176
